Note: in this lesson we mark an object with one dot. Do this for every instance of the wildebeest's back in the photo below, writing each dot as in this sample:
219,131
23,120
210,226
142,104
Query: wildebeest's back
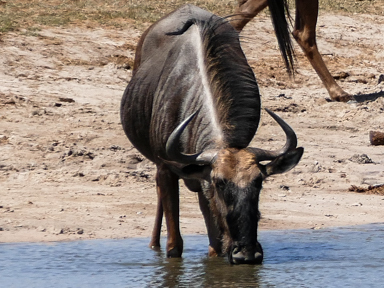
155,75
169,84
154,38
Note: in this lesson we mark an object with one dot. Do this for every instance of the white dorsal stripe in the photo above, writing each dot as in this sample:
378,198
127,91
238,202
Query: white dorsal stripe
209,104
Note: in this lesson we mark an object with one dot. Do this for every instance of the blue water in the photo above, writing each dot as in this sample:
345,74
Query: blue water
337,257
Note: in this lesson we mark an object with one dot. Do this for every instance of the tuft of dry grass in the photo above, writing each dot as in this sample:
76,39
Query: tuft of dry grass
26,14
374,7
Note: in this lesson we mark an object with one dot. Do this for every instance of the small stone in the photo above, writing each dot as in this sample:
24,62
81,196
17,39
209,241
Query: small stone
41,229
357,204
361,159
341,75
67,100
381,79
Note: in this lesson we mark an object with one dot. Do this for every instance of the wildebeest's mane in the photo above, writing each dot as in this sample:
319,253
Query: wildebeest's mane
232,80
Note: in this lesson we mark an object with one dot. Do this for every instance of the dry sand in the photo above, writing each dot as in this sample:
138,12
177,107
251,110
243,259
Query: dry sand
67,171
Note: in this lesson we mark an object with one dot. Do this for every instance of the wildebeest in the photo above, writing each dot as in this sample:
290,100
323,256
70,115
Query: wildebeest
304,32
192,107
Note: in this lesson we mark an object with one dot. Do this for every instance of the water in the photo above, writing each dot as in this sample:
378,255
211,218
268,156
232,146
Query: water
338,257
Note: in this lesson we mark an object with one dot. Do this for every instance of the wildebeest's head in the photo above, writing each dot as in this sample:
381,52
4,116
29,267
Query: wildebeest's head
231,179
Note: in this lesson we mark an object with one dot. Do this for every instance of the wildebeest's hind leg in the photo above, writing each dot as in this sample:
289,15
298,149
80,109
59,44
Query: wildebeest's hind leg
305,35
168,202
214,235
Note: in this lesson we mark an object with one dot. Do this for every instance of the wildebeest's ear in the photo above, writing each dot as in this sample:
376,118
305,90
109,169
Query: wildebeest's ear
192,171
285,162
196,171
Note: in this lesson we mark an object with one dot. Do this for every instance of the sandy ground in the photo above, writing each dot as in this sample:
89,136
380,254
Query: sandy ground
68,172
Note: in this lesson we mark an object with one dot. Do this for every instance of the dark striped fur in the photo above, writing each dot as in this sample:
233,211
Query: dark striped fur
170,96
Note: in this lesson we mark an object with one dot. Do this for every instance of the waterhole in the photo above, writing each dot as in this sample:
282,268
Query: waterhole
337,257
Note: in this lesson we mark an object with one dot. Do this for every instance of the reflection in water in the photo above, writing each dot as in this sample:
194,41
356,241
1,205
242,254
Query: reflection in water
205,272
340,257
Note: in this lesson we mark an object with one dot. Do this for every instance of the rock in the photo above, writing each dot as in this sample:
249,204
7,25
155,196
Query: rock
285,188
292,107
376,138
38,112
67,100
114,148
316,167
341,75
361,159
357,204
381,79
41,229
79,174
3,138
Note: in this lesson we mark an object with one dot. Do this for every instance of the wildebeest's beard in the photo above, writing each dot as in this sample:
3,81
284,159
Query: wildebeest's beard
240,214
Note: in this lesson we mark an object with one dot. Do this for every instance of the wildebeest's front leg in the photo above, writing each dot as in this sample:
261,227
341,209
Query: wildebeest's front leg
155,241
168,194
305,35
214,235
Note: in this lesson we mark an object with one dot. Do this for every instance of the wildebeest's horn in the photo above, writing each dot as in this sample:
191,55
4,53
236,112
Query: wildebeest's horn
290,144
172,147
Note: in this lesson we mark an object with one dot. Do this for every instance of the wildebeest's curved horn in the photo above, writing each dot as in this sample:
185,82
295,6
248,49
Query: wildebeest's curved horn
172,147
290,144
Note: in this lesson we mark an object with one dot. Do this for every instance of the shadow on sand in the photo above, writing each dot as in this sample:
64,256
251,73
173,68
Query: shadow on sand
368,97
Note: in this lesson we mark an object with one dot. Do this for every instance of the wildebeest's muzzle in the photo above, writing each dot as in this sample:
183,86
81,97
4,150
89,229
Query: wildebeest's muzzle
246,254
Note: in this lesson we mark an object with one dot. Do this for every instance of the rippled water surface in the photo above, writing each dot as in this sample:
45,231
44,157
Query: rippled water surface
338,257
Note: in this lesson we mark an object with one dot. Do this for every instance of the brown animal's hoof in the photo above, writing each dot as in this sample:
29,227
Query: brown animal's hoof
154,244
212,252
345,97
154,247
174,253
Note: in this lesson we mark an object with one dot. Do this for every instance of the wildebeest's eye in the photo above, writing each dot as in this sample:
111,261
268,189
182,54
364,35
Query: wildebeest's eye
257,182
221,183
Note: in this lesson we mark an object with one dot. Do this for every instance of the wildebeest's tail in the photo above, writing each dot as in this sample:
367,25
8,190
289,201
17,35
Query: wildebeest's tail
278,9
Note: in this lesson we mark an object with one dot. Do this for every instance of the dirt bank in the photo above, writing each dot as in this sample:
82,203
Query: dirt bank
67,171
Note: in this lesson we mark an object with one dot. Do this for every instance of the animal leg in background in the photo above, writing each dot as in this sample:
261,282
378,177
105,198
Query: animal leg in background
304,33
247,10
168,193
